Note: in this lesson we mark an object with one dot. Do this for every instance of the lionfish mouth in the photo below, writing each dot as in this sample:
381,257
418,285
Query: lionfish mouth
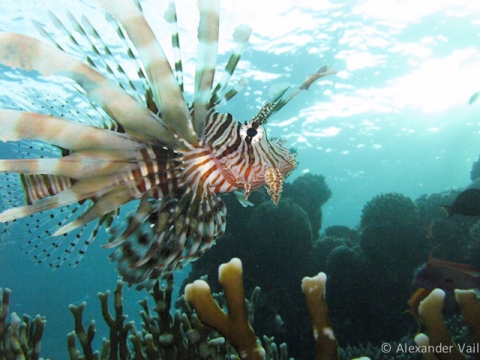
138,143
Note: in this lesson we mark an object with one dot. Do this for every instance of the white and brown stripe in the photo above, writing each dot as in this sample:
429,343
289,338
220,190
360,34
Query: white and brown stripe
152,148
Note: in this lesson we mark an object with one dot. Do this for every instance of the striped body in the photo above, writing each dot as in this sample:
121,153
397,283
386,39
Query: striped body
147,146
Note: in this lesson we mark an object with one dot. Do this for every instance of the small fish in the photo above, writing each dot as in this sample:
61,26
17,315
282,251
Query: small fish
474,98
141,143
278,323
414,302
446,275
467,203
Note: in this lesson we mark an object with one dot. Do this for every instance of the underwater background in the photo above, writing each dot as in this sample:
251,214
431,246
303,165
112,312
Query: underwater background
395,119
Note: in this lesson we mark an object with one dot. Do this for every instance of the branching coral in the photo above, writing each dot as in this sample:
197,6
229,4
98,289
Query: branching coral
219,322
162,336
235,326
326,344
19,338
439,344
270,240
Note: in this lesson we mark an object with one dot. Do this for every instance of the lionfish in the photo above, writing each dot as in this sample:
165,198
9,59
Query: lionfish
144,145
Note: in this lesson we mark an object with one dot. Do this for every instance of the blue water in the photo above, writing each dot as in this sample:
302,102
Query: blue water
394,119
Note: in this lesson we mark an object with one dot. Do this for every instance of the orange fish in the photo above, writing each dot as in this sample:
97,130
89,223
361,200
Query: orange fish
447,275
415,300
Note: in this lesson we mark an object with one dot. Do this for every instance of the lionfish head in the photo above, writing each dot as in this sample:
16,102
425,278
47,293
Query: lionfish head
270,161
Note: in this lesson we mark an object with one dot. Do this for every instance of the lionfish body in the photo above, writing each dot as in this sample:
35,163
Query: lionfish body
170,159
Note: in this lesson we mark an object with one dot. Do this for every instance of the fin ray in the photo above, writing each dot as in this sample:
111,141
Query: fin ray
159,73
75,136
241,35
105,204
207,52
30,54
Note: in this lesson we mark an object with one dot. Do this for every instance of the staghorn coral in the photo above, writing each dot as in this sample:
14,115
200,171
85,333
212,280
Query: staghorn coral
325,341
235,324
220,321
326,345
163,336
19,338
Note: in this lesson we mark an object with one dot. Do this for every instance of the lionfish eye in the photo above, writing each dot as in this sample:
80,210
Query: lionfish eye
251,133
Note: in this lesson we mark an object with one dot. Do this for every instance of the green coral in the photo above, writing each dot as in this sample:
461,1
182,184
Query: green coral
341,231
310,192
475,172
20,338
389,209
163,336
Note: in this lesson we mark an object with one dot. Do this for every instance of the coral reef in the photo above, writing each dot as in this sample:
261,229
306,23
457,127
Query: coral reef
370,272
219,326
376,262
475,172
270,240
377,269
277,248
181,336
455,235
163,336
235,325
389,209
19,338
391,233
311,192
438,343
